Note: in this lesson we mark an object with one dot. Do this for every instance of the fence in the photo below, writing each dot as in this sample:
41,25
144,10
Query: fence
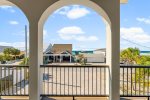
135,81
75,80
14,80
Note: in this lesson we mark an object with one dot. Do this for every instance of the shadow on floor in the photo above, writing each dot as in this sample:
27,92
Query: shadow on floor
46,98
124,99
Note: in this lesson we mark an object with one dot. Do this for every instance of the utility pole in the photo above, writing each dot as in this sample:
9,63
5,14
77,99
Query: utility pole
26,41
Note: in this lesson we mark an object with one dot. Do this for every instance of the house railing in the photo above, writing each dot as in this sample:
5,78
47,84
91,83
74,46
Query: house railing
14,80
135,81
75,80
67,80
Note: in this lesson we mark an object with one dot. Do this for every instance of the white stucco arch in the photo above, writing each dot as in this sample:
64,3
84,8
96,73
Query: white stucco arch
87,3
11,3
62,3
37,12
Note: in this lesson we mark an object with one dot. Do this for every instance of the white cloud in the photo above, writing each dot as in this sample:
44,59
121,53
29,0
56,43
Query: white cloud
13,22
71,30
8,8
135,34
144,20
19,45
68,33
86,38
75,33
73,12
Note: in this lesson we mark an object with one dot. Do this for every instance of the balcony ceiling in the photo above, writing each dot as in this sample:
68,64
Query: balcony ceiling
123,1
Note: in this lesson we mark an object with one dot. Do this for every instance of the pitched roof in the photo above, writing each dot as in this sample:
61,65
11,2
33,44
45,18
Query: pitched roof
59,48
102,49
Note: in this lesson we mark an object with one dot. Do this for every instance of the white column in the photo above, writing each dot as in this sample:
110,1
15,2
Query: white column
60,58
113,60
36,59
108,56
70,58
53,58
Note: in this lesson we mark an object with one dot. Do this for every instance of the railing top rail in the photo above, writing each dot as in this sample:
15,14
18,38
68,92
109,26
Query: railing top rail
12,66
133,66
104,66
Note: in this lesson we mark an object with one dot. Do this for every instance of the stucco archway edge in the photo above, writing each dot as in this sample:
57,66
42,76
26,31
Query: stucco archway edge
62,3
37,11
13,3
43,9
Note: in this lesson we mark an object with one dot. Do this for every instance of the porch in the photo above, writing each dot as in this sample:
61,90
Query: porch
37,15
67,82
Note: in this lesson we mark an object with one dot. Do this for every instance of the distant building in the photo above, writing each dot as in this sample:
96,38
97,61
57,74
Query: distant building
100,51
98,56
81,52
58,53
4,47
95,58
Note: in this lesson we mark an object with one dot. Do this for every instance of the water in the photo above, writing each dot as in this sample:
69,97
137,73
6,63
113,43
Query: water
145,52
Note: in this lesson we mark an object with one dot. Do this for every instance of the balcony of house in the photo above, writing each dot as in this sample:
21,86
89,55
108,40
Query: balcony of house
75,82
37,81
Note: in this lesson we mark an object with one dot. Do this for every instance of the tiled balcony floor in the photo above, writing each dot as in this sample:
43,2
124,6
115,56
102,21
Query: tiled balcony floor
70,98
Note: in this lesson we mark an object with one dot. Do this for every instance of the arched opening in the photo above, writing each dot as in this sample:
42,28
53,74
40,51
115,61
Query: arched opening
15,27
13,48
62,3
110,13
72,28
107,29
89,4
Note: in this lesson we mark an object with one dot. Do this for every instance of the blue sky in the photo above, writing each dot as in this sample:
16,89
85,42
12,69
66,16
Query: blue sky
80,26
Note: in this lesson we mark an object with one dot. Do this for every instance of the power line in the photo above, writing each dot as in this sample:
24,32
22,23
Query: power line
136,43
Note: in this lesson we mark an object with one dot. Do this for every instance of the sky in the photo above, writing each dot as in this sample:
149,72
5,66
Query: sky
80,26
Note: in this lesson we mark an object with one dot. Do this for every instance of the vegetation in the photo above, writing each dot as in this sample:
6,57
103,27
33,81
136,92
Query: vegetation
9,54
7,51
15,52
7,57
25,62
1,58
81,59
131,56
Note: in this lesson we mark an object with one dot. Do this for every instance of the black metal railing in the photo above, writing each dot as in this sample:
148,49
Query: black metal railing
75,80
67,80
14,80
135,81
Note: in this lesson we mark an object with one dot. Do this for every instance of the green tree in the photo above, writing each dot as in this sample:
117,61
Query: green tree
25,62
130,55
7,57
7,51
15,52
1,57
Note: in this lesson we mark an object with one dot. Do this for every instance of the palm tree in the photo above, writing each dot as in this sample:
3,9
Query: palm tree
130,55
25,62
